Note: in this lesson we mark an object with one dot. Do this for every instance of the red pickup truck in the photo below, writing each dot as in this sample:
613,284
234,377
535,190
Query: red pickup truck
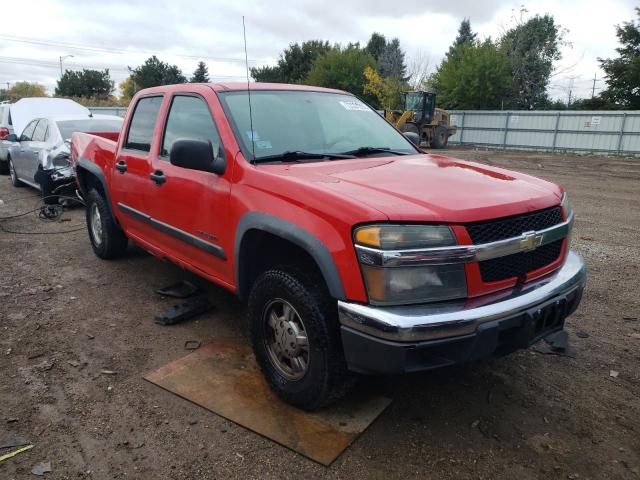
356,251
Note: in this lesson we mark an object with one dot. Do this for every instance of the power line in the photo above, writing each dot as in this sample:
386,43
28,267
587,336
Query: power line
98,49
53,64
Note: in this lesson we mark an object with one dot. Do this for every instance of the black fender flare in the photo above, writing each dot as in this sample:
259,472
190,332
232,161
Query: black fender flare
296,235
96,171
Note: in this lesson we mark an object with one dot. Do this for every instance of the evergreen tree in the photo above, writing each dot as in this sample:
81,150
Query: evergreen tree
376,45
201,73
154,72
465,34
391,62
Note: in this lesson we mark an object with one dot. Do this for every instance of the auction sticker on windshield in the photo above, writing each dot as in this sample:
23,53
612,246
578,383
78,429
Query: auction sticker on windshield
355,105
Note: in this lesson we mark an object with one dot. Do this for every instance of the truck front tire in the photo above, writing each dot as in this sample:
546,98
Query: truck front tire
296,338
107,239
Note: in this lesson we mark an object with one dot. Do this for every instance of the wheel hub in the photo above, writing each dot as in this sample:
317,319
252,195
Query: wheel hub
286,339
96,224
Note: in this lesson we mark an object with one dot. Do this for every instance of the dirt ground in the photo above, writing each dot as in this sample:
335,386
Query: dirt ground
65,316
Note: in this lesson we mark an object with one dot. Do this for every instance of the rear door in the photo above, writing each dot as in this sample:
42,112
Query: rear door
190,207
21,152
131,186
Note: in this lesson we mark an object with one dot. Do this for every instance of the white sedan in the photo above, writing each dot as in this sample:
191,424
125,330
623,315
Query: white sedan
40,156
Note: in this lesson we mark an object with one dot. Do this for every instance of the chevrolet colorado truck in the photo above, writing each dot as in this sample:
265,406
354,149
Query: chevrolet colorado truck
356,252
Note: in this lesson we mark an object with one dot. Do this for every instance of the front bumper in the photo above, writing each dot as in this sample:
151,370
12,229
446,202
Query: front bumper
420,337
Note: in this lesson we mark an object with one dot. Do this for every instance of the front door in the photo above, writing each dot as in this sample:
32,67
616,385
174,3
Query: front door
189,208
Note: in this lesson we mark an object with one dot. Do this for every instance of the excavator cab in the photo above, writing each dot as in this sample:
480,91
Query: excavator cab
423,104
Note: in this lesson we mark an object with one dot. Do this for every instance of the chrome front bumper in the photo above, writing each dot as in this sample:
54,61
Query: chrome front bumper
413,323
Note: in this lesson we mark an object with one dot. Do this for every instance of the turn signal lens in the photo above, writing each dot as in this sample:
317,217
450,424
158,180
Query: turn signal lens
369,236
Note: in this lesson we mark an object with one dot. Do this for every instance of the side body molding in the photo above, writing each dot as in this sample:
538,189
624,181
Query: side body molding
302,238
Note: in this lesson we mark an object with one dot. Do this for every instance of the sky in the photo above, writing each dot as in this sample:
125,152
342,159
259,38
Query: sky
119,34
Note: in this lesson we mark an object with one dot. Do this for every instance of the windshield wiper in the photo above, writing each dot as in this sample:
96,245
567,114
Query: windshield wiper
298,156
363,151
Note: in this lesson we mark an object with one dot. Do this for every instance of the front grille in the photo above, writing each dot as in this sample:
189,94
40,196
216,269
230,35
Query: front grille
519,264
494,230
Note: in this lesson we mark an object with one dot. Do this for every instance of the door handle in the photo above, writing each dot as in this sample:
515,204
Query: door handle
158,177
121,166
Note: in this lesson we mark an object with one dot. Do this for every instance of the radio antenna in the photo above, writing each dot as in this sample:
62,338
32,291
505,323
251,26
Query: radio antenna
246,63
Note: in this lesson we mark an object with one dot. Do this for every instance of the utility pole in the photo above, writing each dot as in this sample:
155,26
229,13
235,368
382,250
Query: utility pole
61,59
593,88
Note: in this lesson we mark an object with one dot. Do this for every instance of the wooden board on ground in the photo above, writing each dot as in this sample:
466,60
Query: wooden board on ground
224,378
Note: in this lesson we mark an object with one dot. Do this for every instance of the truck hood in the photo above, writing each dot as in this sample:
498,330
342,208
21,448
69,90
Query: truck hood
428,187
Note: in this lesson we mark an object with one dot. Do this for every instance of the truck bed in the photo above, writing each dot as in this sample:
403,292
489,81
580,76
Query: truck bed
98,148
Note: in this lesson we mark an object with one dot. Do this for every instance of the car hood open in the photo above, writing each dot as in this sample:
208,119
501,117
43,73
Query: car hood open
429,187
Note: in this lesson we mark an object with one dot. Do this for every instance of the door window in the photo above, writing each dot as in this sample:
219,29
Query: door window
189,118
142,124
27,133
40,132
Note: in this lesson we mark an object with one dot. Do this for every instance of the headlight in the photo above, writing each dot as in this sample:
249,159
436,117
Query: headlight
398,237
398,285
566,206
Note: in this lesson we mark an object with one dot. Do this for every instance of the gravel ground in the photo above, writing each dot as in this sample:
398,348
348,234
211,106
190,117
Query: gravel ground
65,316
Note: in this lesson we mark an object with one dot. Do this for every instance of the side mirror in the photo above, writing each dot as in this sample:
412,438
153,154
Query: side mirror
12,137
197,155
413,137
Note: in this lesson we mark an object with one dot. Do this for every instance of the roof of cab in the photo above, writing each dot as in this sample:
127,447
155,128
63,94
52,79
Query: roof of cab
237,86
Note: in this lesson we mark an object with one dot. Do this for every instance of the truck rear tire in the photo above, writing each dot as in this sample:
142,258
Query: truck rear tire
440,137
296,339
107,239
4,167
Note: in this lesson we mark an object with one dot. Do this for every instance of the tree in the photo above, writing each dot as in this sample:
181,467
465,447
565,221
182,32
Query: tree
294,63
465,34
154,72
477,77
128,90
623,72
599,102
86,83
200,74
387,91
376,45
532,47
25,89
341,68
391,62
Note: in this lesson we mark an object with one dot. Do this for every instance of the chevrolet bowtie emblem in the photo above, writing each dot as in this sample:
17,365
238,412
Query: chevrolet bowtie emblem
530,241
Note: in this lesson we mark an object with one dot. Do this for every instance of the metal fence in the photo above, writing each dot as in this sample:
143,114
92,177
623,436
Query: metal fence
593,131
119,111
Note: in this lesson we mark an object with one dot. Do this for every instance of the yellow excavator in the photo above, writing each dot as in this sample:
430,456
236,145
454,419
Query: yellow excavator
421,116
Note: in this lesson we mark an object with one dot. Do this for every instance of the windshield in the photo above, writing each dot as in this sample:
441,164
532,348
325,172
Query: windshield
313,122
413,101
67,127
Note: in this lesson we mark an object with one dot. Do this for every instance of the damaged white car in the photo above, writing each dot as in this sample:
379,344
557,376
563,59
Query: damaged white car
40,155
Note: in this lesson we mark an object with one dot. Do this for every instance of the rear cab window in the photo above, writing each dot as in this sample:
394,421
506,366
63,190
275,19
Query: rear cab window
143,122
189,118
